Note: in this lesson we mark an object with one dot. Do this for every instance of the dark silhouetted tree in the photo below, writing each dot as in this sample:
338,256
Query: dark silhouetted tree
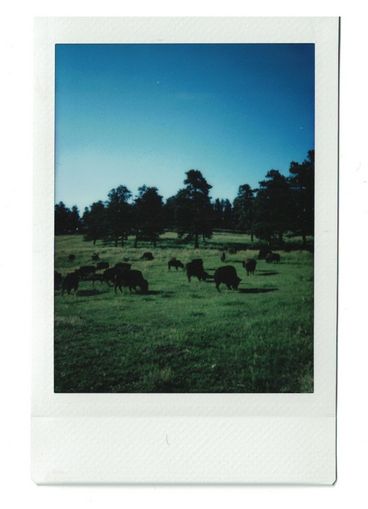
301,184
273,207
67,220
193,210
95,222
119,214
148,215
244,210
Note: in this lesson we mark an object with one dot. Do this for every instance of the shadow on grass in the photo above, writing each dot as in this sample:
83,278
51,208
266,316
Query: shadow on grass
266,273
257,290
90,293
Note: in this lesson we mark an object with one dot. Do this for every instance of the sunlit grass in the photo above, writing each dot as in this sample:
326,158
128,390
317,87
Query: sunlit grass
185,337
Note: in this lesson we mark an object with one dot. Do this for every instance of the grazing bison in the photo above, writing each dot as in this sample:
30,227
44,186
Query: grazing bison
102,265
147,256
228,276
223,256
123,266
95,257
195,268
86,271
273,258
131,279
175,263
263,252
109,275
250,265
70,283
71,257
58,279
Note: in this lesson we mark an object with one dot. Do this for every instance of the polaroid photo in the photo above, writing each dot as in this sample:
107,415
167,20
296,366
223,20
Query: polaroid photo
185,250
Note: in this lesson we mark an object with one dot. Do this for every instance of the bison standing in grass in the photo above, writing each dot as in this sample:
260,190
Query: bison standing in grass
228,276
195,268
147,256
131,279
58,279
175,263
250,265
273,258
70,283
263,252
102,265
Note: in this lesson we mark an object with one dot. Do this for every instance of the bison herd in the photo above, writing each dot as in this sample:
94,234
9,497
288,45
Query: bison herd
121,275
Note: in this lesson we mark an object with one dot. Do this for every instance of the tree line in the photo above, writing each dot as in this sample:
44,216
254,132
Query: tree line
279,205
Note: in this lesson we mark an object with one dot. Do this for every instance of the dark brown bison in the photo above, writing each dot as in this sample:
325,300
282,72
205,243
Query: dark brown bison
273,258
86,271
250,265
175,263
109,275
123,266
70,283
195,268
263,252
147,256
58,279
130,279
228,276
102,265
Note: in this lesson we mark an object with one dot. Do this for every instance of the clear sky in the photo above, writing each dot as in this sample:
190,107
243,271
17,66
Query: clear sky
137,114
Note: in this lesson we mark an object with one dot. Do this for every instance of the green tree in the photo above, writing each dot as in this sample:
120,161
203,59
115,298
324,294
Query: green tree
67,220
95,222
148,215
301,184
244,210
273,207
119,213
193,210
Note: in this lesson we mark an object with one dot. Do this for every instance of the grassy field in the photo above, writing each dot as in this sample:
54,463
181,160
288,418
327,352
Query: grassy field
185,337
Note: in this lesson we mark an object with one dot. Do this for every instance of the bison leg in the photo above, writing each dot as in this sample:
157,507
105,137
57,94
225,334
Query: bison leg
229,287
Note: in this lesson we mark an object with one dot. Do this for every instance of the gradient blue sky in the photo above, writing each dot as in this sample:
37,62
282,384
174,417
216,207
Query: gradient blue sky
137,114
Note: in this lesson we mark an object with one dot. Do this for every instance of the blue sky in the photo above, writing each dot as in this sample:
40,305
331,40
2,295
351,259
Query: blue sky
137,114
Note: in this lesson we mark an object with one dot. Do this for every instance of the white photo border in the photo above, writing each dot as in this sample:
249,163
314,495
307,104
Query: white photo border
187,438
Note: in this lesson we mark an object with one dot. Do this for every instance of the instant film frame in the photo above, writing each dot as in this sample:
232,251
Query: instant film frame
187,438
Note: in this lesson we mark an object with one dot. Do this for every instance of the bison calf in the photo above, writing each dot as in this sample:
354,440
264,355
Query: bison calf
175,263
250,265
70,283
147,256
228,276
273,258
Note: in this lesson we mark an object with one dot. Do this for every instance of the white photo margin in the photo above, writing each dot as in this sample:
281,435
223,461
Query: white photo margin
187,438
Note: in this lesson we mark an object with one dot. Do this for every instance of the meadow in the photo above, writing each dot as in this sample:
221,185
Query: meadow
180,336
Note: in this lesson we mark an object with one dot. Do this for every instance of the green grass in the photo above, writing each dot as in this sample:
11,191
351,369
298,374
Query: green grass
185,337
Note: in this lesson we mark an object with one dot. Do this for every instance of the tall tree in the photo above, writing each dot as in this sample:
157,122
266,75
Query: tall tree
119,213
244,210
67,220
95,222
148,215
302,187
228,214
273,207
194,213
